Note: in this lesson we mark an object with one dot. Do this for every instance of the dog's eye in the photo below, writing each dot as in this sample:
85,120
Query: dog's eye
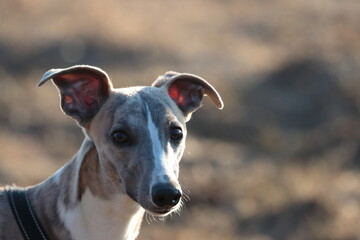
176,133
119,137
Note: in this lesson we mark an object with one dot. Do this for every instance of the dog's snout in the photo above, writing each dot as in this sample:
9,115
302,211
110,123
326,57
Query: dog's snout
165,195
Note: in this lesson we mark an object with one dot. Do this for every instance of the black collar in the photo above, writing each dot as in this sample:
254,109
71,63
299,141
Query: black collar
26,218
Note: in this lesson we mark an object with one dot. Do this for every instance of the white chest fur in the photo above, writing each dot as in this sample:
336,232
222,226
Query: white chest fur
98,219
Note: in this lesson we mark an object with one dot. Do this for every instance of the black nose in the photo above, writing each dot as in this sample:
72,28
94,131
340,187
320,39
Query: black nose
165,195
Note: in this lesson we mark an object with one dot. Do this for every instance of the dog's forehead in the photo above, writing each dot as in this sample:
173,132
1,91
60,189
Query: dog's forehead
135,102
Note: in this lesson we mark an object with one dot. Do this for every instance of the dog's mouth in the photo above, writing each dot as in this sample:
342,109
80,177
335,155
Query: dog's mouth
157,212
160,213
159,205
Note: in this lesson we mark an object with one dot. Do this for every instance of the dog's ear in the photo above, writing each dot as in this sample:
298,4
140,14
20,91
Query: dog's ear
187,91
83,90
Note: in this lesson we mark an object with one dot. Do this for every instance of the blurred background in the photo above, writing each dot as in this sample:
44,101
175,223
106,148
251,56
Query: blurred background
280,161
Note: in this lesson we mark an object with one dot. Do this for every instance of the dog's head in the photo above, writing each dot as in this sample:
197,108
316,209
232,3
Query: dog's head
139,132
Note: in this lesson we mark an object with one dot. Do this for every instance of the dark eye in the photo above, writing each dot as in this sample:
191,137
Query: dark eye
176,133
119,137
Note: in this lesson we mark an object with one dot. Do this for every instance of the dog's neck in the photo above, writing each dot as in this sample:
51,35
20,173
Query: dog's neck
89,200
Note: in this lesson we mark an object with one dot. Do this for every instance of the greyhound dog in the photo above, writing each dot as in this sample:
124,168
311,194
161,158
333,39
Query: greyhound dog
128,163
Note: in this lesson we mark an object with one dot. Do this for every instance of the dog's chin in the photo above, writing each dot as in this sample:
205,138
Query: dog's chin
161,212
158,213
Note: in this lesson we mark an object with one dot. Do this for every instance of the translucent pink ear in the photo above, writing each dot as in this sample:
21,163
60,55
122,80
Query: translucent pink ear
83,90
187,91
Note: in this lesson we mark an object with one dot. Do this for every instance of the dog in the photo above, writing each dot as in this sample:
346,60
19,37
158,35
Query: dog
128,163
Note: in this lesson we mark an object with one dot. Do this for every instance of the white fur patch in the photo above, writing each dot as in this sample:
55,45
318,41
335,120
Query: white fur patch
162,167
97,219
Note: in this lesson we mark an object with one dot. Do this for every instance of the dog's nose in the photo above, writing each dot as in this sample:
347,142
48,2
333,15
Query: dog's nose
165,195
